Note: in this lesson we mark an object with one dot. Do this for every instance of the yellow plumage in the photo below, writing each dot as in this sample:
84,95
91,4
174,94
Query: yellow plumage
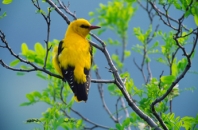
55,60
72,58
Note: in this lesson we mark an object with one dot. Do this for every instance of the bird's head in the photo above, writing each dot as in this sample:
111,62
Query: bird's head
81,27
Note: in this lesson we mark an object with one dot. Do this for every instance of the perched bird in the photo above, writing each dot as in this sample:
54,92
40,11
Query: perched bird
73,58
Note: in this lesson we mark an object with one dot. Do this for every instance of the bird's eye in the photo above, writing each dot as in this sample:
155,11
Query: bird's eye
84,26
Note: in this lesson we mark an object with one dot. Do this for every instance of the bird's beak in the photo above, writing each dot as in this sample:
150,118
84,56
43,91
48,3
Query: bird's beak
93,27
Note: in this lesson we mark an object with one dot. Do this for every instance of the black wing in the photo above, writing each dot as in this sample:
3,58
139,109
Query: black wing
80,90
60,48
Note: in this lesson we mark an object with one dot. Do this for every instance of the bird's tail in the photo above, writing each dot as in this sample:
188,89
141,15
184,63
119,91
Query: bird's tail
80,90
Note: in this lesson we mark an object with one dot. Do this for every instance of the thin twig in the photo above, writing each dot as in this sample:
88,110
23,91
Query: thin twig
188,56
159,84
100,89
117,112
102,81
48,21
34,67
58,11
80,115
66,9
140,69
124,107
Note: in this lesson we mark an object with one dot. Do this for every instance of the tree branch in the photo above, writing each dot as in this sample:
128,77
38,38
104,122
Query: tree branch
48,21
34,67
100,89
80,115
176,36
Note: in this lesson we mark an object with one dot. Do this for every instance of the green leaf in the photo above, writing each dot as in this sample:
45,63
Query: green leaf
147,59
126,122
196,19
39,48
40,11
3,15
91,13
116,59
138,48
182,64
24,48
30,97
119,127
127,53
162,2
163,48
40,74
94,67
177,5
138,34
26,104
192,89
23,67
114,90
111,87
92,20
7,1
100,31
174,69
168,79
20,73
94,50
134,117
36,94
79,123
14,63
188,122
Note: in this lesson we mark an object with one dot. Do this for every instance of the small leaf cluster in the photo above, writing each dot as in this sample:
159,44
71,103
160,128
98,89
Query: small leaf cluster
57,95
145,48
115,16
187,122
190,7
129,121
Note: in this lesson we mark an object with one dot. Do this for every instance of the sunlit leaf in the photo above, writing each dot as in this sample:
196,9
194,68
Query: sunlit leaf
14,63
94,67
41,75
26,104
126,122
196,19
79,123
24,48
30,97
127,53
36,94
20,73
174,69
168,79
7,1
119,127
39,48
3,15
91,13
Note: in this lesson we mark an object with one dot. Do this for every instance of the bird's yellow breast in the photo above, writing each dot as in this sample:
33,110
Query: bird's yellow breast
76,53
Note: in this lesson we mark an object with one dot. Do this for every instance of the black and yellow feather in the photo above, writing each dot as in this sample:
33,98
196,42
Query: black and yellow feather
73,58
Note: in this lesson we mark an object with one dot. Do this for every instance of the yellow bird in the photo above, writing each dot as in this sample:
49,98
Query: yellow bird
73,58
